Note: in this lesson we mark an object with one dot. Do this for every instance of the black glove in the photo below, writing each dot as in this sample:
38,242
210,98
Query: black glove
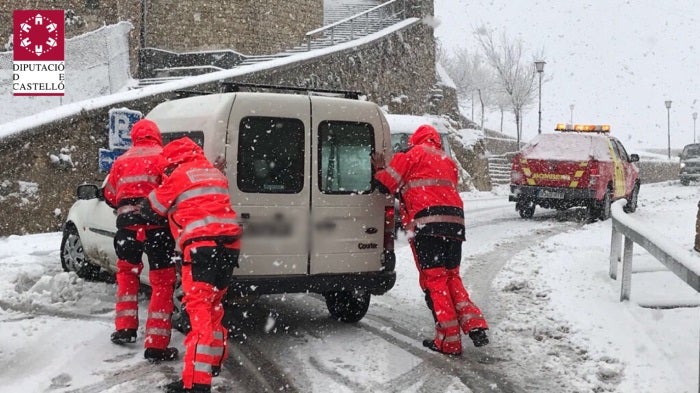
150,215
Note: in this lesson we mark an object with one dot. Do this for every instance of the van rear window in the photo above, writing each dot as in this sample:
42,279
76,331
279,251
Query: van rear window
270,155
344,155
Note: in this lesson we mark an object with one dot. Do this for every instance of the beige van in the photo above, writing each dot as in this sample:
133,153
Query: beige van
301,182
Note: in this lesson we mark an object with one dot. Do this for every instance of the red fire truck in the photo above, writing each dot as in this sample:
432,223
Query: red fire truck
578,165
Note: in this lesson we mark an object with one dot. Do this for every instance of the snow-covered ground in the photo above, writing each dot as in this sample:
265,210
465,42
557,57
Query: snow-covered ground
556,320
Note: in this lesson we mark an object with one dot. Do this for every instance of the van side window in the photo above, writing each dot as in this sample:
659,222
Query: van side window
344,151
270,155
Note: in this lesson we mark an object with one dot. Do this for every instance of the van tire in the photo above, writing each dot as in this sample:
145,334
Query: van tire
347,306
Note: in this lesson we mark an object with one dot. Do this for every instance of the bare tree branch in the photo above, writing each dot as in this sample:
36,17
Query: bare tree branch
514,73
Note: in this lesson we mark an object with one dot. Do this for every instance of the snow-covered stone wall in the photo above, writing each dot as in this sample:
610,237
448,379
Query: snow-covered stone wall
97,64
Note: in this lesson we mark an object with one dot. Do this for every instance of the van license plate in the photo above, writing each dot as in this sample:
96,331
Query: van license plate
551,194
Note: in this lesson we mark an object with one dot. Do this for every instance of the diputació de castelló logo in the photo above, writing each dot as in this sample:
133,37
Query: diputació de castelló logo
38,53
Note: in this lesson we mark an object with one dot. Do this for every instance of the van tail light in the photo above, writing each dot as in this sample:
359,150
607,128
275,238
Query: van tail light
389,217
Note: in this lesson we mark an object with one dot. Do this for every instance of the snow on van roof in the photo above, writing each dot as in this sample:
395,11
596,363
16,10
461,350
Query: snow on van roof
409,123
568,146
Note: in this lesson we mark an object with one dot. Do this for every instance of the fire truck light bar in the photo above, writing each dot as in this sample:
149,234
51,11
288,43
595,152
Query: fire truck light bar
582,127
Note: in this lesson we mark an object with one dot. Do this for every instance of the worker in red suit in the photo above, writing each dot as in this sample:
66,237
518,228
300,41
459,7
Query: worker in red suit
195,198
132,177
425,179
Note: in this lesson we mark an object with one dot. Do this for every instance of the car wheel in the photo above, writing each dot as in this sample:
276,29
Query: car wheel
526,210
73,257
685,182
631,205
604,212
347,306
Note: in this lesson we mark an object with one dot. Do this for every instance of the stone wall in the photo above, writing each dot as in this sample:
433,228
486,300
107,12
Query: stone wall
248,26
82,16
397,71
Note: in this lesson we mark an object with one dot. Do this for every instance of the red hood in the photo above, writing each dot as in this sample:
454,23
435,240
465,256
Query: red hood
145,132
182,150
425,134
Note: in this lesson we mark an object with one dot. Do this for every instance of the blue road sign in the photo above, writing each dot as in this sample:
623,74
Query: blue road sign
120,122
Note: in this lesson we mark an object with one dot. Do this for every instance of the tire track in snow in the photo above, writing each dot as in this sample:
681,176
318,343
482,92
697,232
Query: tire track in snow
255,370
35,309
522,368
474,370
138,378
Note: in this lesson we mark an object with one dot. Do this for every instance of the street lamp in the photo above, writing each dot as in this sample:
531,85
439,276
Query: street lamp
695,117
571,121
539,65
668,112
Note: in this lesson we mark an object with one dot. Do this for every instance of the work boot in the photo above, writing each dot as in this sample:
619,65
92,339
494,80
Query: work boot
179,387
479,337
430,344
124,336
155,354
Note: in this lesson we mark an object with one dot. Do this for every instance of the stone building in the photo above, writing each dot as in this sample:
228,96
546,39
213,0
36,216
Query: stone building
248,26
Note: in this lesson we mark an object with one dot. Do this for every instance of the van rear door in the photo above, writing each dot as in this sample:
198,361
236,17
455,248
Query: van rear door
347,215
268,145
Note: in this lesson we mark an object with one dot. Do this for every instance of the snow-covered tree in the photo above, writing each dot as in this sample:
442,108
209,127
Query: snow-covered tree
515,71
472,76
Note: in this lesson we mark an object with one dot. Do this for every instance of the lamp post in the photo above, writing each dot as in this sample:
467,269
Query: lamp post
571,121
539,65
695,117
668,112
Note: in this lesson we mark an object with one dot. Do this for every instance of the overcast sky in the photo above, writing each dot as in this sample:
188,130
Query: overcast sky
616,61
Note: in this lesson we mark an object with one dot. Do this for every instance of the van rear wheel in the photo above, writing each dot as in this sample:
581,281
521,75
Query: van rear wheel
347,306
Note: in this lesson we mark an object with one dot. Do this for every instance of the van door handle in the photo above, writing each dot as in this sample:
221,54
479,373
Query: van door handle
245,216
371,230
325,225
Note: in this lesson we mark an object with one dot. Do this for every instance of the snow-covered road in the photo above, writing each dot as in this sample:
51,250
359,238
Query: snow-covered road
556,323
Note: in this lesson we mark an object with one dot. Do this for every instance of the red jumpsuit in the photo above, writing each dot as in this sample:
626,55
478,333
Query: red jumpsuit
132,177
426,180
196,200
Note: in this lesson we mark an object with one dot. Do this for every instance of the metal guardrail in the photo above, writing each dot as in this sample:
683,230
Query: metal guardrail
685,265
393,8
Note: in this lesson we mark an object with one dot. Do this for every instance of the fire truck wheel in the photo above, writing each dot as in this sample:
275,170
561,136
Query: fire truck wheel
526,210
631,205
604,212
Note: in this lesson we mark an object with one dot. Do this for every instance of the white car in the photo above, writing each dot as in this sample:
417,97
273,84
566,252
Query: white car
88,235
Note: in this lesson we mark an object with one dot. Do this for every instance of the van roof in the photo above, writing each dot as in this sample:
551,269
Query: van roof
216,107
409,123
